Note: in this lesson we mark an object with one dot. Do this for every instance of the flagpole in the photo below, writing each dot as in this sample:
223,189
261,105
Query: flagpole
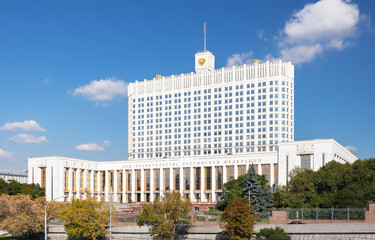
204,36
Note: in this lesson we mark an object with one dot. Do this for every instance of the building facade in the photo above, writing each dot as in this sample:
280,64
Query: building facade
11,176
233,110
194,132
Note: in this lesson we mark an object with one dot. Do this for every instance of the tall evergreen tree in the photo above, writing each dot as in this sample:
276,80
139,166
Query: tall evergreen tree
259,194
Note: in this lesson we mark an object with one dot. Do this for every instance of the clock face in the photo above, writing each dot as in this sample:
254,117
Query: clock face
201,61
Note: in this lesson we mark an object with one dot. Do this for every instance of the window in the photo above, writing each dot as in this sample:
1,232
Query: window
266,171
241,170
176,177
208,178
219,177
275,173
88,180
305,161
147,180
119,180
166,179
43,178
138,179
157,179
66,179
102,179
186,179
197,172
230,173
128,180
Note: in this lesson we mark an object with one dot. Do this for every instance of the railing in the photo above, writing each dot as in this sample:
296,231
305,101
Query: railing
333,214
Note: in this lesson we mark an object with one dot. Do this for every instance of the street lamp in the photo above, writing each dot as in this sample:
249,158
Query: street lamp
45,216
110,214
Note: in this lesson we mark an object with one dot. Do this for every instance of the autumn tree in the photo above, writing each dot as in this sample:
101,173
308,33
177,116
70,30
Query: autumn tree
164,216
238,219
19,215
86,219
22,216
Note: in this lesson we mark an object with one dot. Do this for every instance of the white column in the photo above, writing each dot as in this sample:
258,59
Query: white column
161,182
92,189
235,170
133,185
272,180
181,181
124,185
85,172
202,180
142,185
70,184
151,185
247,168
213,180
106,187
259,169
224,174
192,196
78,182
171,179
99,184
114,191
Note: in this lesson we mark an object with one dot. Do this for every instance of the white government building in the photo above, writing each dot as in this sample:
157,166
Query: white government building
194,132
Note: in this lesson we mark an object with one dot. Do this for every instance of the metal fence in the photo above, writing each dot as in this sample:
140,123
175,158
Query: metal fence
334,214
345,214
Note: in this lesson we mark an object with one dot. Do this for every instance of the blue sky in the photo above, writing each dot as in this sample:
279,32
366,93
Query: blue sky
64,66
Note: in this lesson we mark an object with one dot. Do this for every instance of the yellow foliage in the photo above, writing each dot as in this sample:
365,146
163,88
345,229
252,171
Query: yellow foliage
85,219
19,215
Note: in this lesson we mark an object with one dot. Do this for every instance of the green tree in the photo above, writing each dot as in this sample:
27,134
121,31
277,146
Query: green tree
333,185
85,219
255,187
238,219
3,186
164,216
14,188
276,233
34,190
231,190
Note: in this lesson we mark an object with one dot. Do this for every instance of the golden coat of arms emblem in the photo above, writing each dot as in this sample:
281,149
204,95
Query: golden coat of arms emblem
201,61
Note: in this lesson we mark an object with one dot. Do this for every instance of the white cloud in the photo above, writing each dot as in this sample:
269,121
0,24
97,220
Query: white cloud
90,147
93,146
106,143
26,138
238,59
318,27
351,149
4,155
29,125
102,90
260,35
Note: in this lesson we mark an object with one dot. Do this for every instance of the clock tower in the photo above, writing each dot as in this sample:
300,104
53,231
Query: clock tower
204,61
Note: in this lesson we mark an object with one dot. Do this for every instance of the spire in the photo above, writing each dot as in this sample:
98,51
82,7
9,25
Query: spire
204,32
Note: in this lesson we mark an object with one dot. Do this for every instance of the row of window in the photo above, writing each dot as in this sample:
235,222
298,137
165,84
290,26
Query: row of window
216,90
